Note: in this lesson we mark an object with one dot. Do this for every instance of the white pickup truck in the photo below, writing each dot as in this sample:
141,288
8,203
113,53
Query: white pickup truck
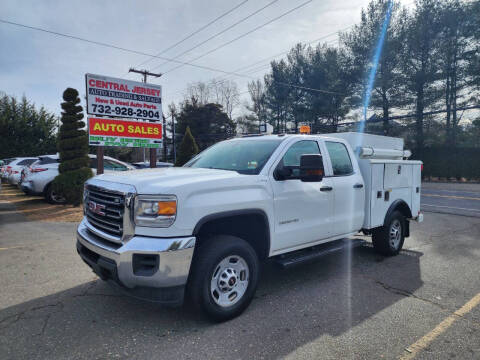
203,229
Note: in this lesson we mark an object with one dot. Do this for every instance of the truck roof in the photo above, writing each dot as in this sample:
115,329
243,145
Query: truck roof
284,137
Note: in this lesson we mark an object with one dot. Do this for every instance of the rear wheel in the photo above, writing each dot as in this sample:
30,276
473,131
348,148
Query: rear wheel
52,197
224,277
388,239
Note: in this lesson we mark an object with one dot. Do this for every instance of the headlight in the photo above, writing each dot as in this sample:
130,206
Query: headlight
155,211
85,195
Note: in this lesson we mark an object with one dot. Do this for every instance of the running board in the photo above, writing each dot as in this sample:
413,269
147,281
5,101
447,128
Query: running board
310,254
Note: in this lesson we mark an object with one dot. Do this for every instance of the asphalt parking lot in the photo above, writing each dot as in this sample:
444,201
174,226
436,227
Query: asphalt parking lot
457,199
420,304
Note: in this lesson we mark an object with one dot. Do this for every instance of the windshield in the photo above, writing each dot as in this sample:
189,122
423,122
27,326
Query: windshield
243,156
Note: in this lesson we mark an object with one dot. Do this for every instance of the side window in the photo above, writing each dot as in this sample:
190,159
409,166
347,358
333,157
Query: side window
341,163
48,160
26,161
291,159
112,165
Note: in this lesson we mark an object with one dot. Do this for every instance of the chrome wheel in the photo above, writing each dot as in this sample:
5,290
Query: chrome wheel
229,280
395,233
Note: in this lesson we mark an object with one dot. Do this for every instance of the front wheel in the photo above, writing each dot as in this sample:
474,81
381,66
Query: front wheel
388,239
52,197
224,277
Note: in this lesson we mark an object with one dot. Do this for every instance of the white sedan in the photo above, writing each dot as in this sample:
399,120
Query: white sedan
39,177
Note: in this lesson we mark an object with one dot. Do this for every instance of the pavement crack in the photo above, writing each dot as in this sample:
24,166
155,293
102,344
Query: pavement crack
44,326
407,293
22,314
85,292
403,292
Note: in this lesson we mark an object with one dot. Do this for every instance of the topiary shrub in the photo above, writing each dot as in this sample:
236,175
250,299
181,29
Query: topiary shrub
72,145
188,148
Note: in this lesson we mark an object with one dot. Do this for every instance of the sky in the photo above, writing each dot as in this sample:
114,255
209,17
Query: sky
40,65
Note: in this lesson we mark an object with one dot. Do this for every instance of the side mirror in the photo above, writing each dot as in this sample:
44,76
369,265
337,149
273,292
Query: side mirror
311,168
282,173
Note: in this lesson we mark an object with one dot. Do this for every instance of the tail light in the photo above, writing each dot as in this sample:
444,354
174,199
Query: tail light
35,170
421,167
15,171
9,169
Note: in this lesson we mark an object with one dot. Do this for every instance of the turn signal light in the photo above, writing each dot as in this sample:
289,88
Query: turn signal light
168,208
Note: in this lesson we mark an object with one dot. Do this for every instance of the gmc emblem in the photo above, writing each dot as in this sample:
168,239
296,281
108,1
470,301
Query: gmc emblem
96,208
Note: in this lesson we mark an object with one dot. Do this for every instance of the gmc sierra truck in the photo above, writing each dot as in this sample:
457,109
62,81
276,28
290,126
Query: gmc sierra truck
203,229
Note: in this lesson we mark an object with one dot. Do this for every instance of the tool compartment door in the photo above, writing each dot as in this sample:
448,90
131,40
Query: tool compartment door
378,207
416,188
397,175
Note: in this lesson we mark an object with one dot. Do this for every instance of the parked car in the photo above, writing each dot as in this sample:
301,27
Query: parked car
204,228
3,168
15,167
38,179
146,164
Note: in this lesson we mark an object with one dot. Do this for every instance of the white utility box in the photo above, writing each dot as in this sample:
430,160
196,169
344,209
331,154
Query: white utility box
388,176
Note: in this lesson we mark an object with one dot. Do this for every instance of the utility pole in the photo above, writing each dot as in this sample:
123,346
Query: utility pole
173,139
164,127
153,152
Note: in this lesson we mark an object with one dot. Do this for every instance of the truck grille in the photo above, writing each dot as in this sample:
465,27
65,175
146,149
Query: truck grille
104,211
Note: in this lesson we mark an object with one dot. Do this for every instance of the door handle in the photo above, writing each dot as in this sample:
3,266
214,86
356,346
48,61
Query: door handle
358,186
326,188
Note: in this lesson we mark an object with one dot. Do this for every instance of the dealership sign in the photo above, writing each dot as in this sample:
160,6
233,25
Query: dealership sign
123,133
115,97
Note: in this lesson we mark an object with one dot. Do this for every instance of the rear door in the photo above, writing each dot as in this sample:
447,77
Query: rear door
348,189
303,213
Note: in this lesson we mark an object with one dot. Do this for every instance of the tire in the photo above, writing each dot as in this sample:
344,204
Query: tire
215,285
53,198
388,239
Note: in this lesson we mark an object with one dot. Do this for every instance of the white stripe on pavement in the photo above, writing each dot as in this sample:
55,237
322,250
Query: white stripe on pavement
451,207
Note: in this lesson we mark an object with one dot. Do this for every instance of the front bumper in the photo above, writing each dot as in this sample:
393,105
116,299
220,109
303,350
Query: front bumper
154,269
27,187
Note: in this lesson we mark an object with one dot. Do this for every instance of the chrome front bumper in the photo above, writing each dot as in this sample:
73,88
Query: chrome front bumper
174,256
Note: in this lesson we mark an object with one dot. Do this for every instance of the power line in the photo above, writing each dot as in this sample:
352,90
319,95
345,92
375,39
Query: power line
244,34
262,67
147,54
287,51
194,33
219,33
266,65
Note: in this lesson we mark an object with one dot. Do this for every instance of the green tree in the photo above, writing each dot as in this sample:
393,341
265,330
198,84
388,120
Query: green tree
456,42
361,42
330,70
321,79
247,124
188,148
73,148
208,122
277,93
26,130
420,63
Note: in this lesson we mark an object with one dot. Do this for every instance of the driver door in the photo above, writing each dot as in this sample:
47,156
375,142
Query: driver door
303,210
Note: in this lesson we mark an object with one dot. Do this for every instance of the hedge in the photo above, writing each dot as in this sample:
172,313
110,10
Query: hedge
448,162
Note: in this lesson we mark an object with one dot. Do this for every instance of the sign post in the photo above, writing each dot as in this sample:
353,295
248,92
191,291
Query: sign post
153,152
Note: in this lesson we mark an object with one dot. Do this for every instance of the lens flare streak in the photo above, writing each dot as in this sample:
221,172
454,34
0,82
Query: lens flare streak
374,66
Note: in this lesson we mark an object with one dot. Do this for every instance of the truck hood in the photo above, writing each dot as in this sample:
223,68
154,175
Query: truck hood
168,180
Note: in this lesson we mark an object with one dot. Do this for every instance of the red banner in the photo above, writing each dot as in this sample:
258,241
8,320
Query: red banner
122,128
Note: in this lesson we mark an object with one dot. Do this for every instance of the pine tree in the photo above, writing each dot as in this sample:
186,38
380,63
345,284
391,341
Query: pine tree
73,148
188,148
